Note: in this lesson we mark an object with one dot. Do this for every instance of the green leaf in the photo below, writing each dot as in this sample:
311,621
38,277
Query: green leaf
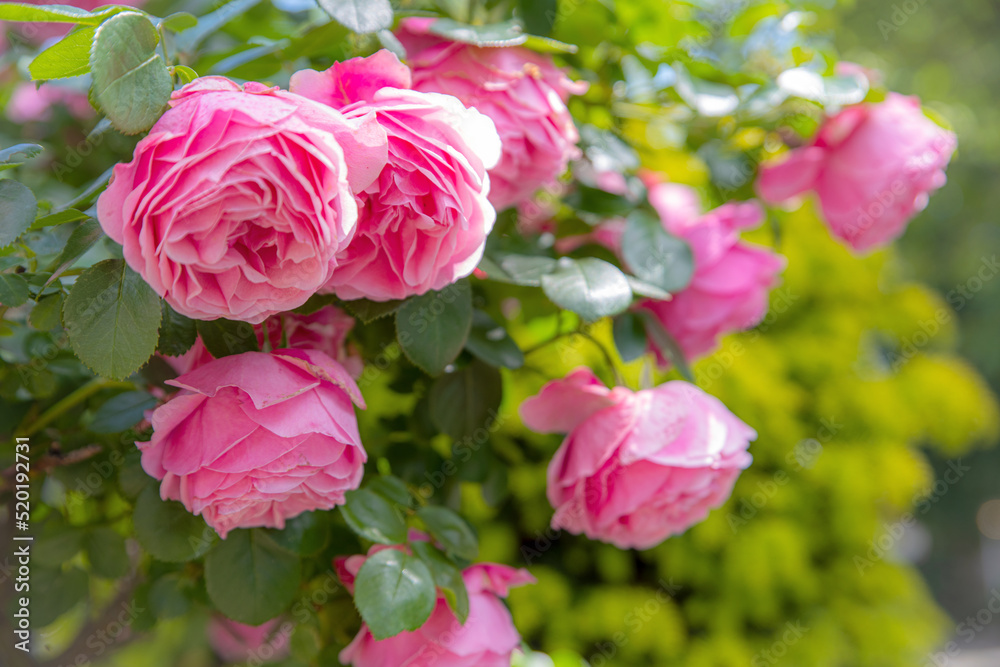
392,489
251,579
669,347
13,290
17,155
112,317
59,218
184,73
14,11
394,592
508,33
168,531
527,269
68,57
630,337
538,16
47,313
80,241
490,342
447,577
306,534
57,544
53,593
450,530
17,210
177,333
373,517
167,598
641,288
130,80
105,549
360,15
432,328
226,337
122,412
463,402
179,22
549,45
590,287
369,311
654,255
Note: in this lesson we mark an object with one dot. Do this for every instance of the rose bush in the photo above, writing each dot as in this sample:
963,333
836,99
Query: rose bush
447,215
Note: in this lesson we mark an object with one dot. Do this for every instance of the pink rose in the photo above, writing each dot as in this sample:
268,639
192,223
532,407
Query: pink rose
424,221
487,639
34,104
325,330
237,201
239,643
636,467
731,281
522,91
872,166
256,438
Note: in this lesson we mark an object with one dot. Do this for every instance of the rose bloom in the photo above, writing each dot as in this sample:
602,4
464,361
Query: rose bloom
731,281
487,639
523,92
325,330
873,167
636,467
238,199
239,643
257,438
424,221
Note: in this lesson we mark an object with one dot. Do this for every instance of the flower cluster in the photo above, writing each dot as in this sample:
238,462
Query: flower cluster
380,180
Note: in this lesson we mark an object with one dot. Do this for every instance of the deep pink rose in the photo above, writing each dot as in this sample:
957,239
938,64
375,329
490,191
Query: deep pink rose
237,201
248,644
522,91
487,639
257,438
34,104
325,330
729,288
873,167
424,221
636,467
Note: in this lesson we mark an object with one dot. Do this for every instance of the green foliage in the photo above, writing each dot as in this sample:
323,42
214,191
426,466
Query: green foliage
432,328
131,81
250,578
394,592
112,317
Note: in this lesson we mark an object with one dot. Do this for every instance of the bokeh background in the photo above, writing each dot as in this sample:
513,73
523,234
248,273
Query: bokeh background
867,531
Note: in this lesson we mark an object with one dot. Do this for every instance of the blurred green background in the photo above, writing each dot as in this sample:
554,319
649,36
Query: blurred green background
948,54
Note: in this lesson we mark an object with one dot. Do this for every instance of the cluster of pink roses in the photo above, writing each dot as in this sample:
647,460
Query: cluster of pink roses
378,180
